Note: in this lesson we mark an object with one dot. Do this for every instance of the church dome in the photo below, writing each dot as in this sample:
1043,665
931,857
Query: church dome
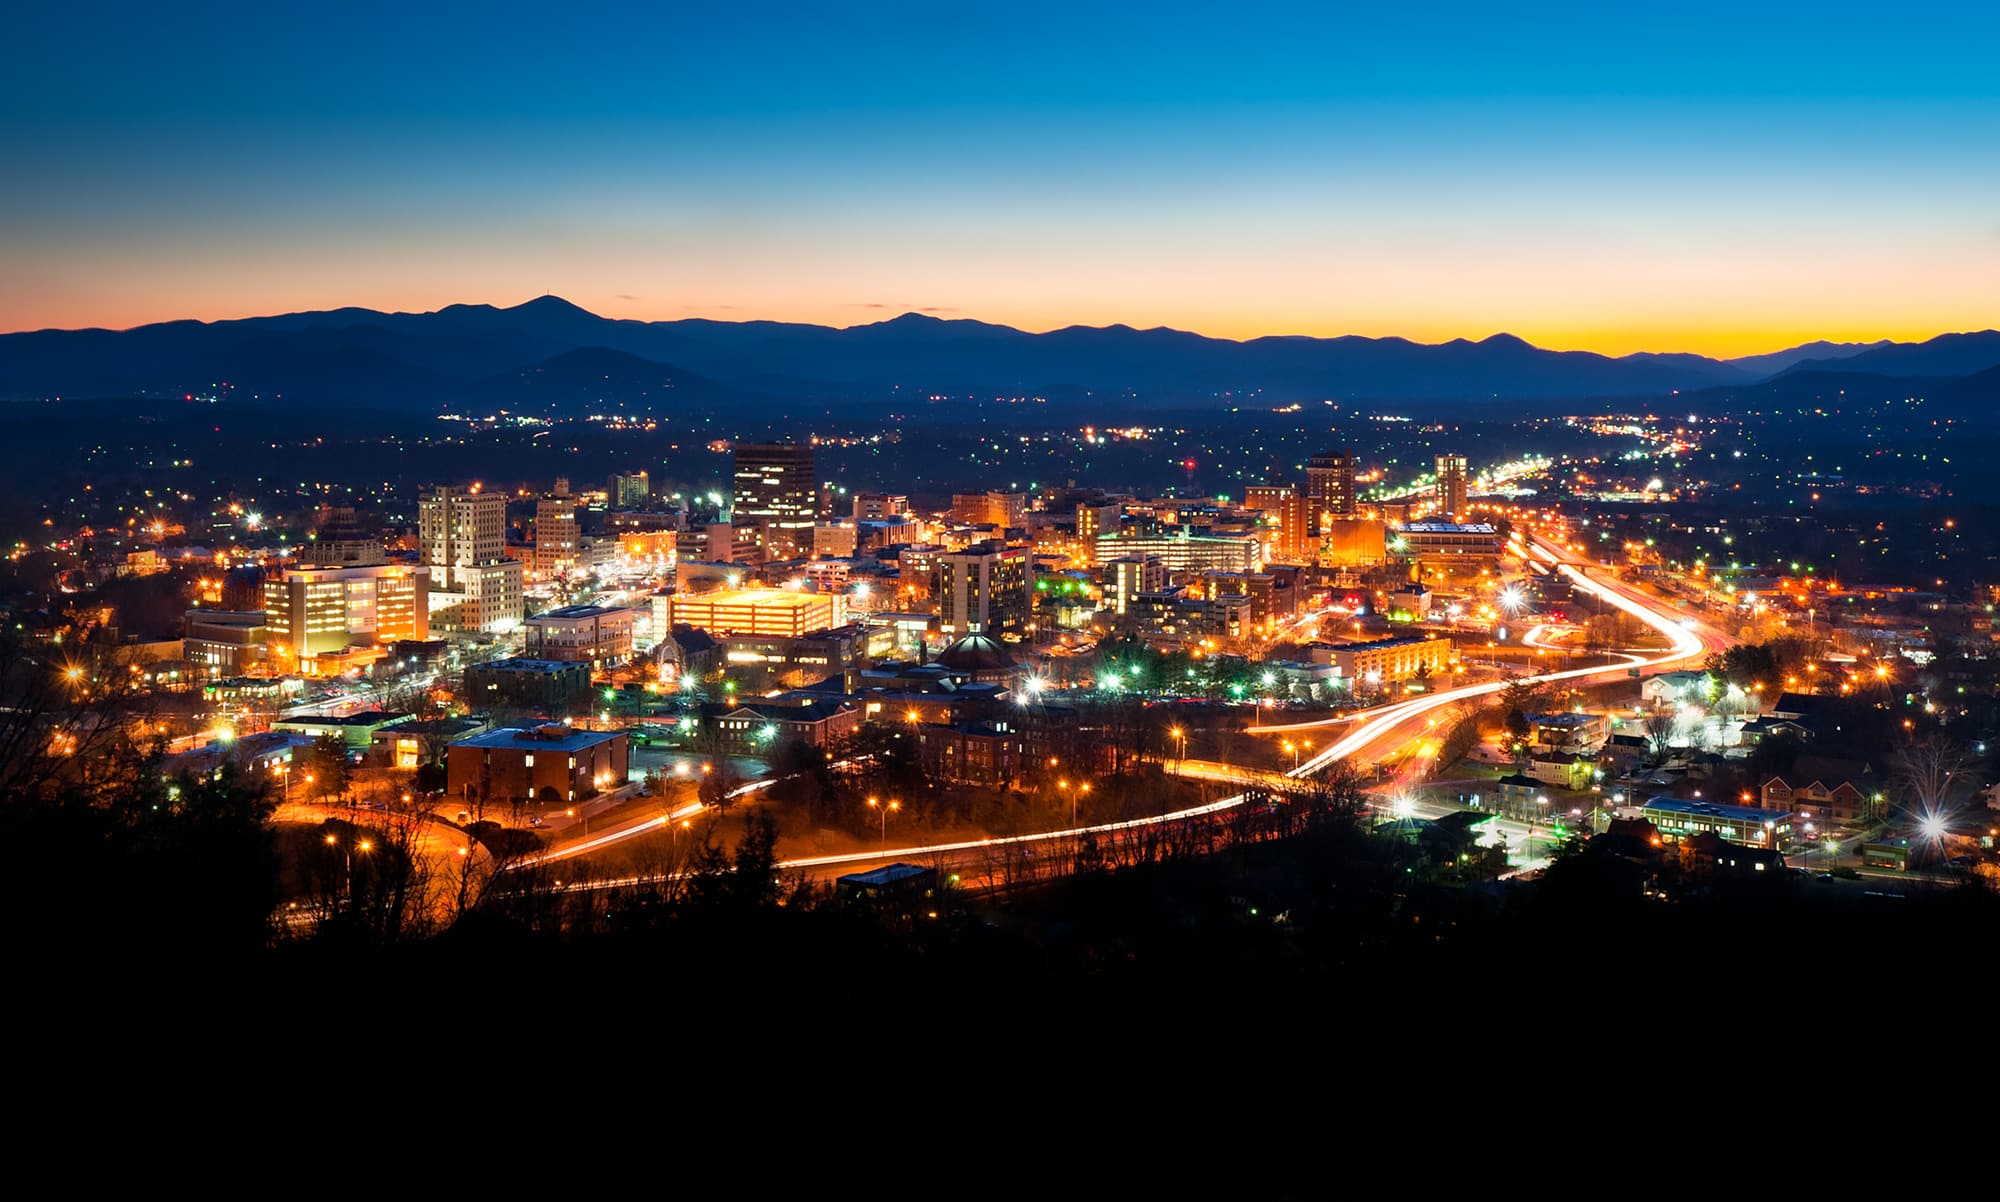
976,653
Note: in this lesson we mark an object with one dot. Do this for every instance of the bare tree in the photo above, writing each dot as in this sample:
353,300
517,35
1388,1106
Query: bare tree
1659,730
1923,770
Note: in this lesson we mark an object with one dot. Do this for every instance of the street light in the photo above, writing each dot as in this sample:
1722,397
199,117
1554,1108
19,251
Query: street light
1181,735
885,811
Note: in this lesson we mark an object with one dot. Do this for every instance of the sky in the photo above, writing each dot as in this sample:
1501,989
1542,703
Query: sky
1717,178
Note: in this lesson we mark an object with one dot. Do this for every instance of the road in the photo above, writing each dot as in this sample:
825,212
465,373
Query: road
1374,733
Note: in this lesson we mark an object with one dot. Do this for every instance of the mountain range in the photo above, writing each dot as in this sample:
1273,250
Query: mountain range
552,356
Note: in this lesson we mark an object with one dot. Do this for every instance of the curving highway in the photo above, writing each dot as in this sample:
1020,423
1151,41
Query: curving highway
1374,732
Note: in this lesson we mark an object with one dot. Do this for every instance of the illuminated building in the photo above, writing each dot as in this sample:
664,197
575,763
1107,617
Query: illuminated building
1186,551
553,765
1272,596
1002,509
1677,820
1129,575
458,527
871,505
1451,482
1448,541
1330,488
1386,661
357,731
757,727
1354,543
1092,523
986,588
592,634
344,595
483,597
462,539
1176,614
224,643
817,653
626,490
775,485
755,611
557,540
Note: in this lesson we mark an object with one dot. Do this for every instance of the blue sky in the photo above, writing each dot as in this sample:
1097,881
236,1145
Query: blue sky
1652,177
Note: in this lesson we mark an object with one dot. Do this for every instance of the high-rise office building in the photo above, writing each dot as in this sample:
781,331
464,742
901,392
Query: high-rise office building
628,489
462,537
985,589
1451,485
775,486
556,537
460,527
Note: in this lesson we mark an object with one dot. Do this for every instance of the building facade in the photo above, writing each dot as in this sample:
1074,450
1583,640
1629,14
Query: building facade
775,486
985,589
1451,485
557,538
593,634
783,613
550,765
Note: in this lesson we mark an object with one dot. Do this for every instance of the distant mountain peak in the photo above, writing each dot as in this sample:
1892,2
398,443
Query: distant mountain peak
549,304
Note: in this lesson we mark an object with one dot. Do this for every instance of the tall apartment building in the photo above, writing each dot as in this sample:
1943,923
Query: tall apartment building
459,527
985,589
1329,490
628,489
1451,481
775,487
1093,521
557,539
462,539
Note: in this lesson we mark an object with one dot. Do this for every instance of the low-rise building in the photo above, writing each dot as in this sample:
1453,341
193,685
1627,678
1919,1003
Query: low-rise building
1819,788
978,753
594,634
1390,660
405,744
355,730
1678,819
1569,731
545,684
754,728
551,765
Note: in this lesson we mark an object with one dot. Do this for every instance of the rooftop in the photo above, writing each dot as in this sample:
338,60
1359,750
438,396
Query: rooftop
1710,809
524,664
364,718
773,598
539,738
576,612
1448,528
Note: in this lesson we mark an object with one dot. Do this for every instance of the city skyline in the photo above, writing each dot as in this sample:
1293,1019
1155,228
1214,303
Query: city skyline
1579,181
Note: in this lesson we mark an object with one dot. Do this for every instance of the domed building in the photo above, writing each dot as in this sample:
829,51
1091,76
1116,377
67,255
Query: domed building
980,659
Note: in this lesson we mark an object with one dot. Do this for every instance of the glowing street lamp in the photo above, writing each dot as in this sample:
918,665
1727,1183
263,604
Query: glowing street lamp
884,810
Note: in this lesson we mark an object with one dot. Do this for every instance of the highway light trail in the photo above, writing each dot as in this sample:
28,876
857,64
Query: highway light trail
1682,643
